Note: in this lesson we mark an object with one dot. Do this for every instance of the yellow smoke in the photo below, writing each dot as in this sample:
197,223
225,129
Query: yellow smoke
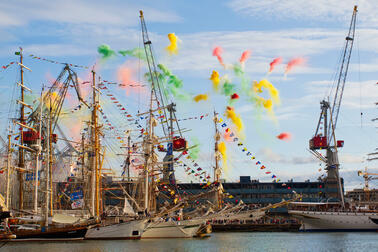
273,92
222,149
215,79
235,118
266,103
200,97
50,100
172,48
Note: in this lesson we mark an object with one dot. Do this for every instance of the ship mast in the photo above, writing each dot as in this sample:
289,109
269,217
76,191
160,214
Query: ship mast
95,203
9,167
21,155
217,170
39,149
96,161
148,154
47,171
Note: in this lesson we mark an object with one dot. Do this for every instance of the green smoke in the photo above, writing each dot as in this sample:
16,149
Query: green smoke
172,84
136,52
194,152
228,88
239,72
105,51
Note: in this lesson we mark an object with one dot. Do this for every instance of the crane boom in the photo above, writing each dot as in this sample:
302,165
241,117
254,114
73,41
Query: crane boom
168,111
342,74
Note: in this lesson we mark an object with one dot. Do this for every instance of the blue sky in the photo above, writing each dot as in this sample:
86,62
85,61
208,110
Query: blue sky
70,31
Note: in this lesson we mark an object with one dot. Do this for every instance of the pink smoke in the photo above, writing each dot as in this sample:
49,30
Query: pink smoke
245,55
227,136
294,62
275,62
126,76
217,52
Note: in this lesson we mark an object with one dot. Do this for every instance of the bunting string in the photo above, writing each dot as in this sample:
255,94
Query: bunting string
56,62
244,149
8,65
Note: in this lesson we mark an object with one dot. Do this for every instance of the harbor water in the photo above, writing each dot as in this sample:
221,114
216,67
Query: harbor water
254,241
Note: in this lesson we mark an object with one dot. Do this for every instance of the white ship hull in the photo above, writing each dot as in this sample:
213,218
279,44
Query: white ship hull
125,230
335,221
173,229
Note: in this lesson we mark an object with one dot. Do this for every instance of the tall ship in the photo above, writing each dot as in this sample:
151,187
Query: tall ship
337,213
148,220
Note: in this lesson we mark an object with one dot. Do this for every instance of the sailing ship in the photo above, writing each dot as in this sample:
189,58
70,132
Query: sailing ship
334,215
149,223
37,143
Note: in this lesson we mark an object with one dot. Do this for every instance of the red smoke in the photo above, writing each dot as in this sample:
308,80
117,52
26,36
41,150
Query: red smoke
217,52
245,55
275,62
284,136
294,62
234,96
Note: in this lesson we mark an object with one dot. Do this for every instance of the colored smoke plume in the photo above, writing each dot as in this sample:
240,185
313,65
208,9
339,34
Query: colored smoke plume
235,118
275,62
172,48
173,84
284,136
245,55
294,62
217,52
227,136
223,151
126,75
195,150
105,51
235,96
200,97
215,79
228,88
273,92
136,52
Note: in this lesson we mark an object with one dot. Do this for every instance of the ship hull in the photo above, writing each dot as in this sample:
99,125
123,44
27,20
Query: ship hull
121,231
52,233
173,229
335,221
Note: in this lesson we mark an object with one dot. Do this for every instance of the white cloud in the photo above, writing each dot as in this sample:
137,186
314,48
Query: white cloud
319,10
80,12
270,156
361,94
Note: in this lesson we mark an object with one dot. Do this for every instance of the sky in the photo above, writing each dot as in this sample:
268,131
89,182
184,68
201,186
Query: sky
71,31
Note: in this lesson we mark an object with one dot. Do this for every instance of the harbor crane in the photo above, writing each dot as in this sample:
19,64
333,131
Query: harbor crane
368,176
168,118
326,139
